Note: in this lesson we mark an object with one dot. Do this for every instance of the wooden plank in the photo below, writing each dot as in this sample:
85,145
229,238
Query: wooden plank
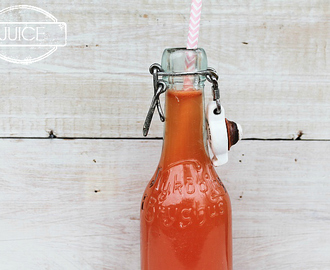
272,58
74,204
116,106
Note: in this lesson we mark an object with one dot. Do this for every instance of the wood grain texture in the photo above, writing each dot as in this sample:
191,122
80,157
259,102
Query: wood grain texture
74,204
271,57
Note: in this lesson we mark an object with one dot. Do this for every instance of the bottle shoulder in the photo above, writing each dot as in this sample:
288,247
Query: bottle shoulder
188,177
185,189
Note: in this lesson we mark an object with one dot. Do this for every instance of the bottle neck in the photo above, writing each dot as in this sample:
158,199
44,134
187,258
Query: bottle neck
184,127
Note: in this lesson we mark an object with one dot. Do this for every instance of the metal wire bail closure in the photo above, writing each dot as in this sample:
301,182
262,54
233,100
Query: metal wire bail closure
160,87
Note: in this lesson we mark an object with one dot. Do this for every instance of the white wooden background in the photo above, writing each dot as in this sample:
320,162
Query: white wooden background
73,202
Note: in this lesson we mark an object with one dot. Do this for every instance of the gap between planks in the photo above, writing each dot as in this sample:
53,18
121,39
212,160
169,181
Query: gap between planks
151,139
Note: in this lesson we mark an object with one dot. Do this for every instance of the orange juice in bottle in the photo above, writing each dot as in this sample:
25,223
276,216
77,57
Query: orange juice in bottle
185,209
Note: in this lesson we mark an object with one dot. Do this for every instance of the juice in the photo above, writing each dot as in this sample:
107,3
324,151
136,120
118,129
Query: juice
185,210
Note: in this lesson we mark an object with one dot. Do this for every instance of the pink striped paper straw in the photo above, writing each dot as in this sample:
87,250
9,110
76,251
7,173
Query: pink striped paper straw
192,41
194,21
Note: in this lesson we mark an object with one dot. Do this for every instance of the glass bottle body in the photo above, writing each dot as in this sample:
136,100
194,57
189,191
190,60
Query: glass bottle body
185,210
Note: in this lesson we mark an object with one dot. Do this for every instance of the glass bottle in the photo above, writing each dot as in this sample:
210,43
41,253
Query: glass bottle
185,210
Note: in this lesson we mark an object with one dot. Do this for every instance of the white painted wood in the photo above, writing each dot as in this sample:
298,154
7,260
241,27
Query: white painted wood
52,218
271,56
272,60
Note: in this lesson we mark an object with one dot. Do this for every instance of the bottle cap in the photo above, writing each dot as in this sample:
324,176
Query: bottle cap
217,134
222,133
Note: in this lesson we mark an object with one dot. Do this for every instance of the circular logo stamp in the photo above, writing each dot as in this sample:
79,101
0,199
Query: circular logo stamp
29,34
